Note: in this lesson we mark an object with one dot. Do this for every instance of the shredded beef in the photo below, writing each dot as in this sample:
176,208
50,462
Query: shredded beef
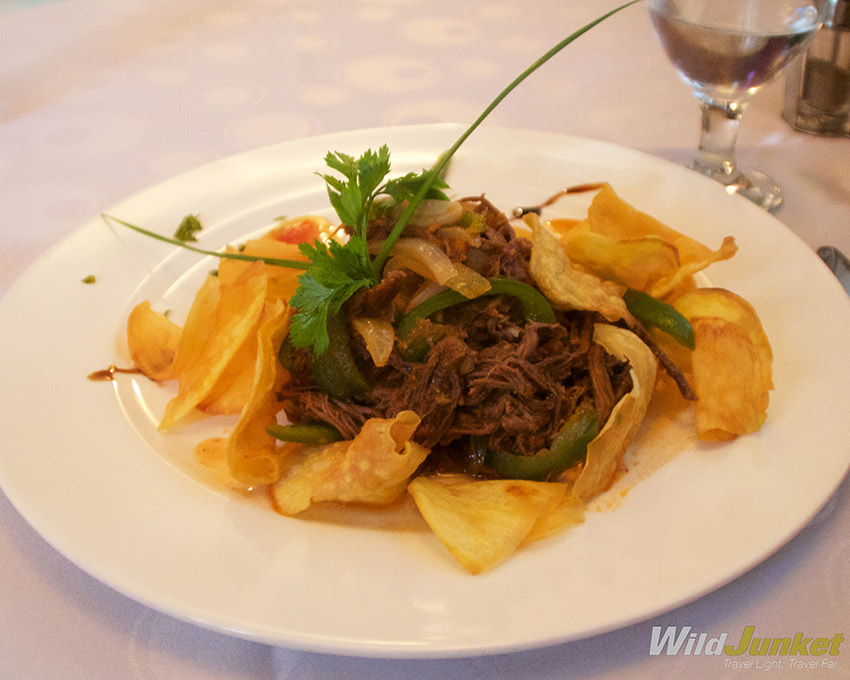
310,405
500,252
376,302
517,390
489,372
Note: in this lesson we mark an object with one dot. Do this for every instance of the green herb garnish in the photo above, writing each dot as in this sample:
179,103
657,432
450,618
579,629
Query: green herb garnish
336,270
277,262
187,229
88,279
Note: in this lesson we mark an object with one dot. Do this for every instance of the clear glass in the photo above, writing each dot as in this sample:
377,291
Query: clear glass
726,50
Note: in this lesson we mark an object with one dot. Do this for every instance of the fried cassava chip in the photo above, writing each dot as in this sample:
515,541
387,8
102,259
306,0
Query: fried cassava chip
565,285
152,340
235,318
482,522
732,363
250,451
374,467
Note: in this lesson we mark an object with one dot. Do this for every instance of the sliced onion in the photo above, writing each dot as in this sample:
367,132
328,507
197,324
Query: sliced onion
429,261
426,290
425,258
468,282
431,211
379,337
460,234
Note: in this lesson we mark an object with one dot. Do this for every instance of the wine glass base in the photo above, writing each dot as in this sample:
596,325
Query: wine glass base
751,184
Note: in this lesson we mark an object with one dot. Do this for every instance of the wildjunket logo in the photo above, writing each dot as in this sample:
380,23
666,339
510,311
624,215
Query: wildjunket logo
672,641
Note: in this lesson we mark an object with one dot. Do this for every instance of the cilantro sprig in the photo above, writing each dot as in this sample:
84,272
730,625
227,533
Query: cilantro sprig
338,270
335,273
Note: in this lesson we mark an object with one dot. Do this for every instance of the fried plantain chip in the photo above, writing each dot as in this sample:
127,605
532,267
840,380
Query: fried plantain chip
196,328
152,340
235,318
374,467
482,522
303,229
638,263
732,364
233,388
565,285
250,451
611,216
568,513
279,243
605,453
282,281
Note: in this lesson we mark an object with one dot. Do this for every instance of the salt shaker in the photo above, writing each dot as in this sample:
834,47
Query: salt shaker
817,95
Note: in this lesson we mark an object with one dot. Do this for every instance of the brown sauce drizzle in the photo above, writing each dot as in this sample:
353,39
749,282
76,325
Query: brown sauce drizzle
578,189
108,374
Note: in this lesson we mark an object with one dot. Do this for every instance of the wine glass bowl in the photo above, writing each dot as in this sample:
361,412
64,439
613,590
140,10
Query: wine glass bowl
725,51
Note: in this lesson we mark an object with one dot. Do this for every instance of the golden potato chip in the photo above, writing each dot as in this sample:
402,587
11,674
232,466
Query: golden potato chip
233,387
371,468
609,215
725,304
605,453
568,513
566,286
250,451
732,364
235,318
198,323
152,340
482,522
727,380
282,280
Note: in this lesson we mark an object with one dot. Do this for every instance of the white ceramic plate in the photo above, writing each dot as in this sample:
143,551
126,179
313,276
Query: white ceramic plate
83,463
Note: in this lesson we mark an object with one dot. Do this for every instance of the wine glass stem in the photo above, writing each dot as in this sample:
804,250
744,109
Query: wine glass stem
716,156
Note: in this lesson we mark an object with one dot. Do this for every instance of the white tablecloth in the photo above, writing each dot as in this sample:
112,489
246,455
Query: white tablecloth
99,100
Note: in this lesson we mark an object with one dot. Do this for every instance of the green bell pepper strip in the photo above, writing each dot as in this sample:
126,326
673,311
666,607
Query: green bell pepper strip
567,448
534,304
334,369
312,434
653,312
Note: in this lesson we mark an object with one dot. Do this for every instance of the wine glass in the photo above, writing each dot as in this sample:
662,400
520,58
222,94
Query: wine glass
725,50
